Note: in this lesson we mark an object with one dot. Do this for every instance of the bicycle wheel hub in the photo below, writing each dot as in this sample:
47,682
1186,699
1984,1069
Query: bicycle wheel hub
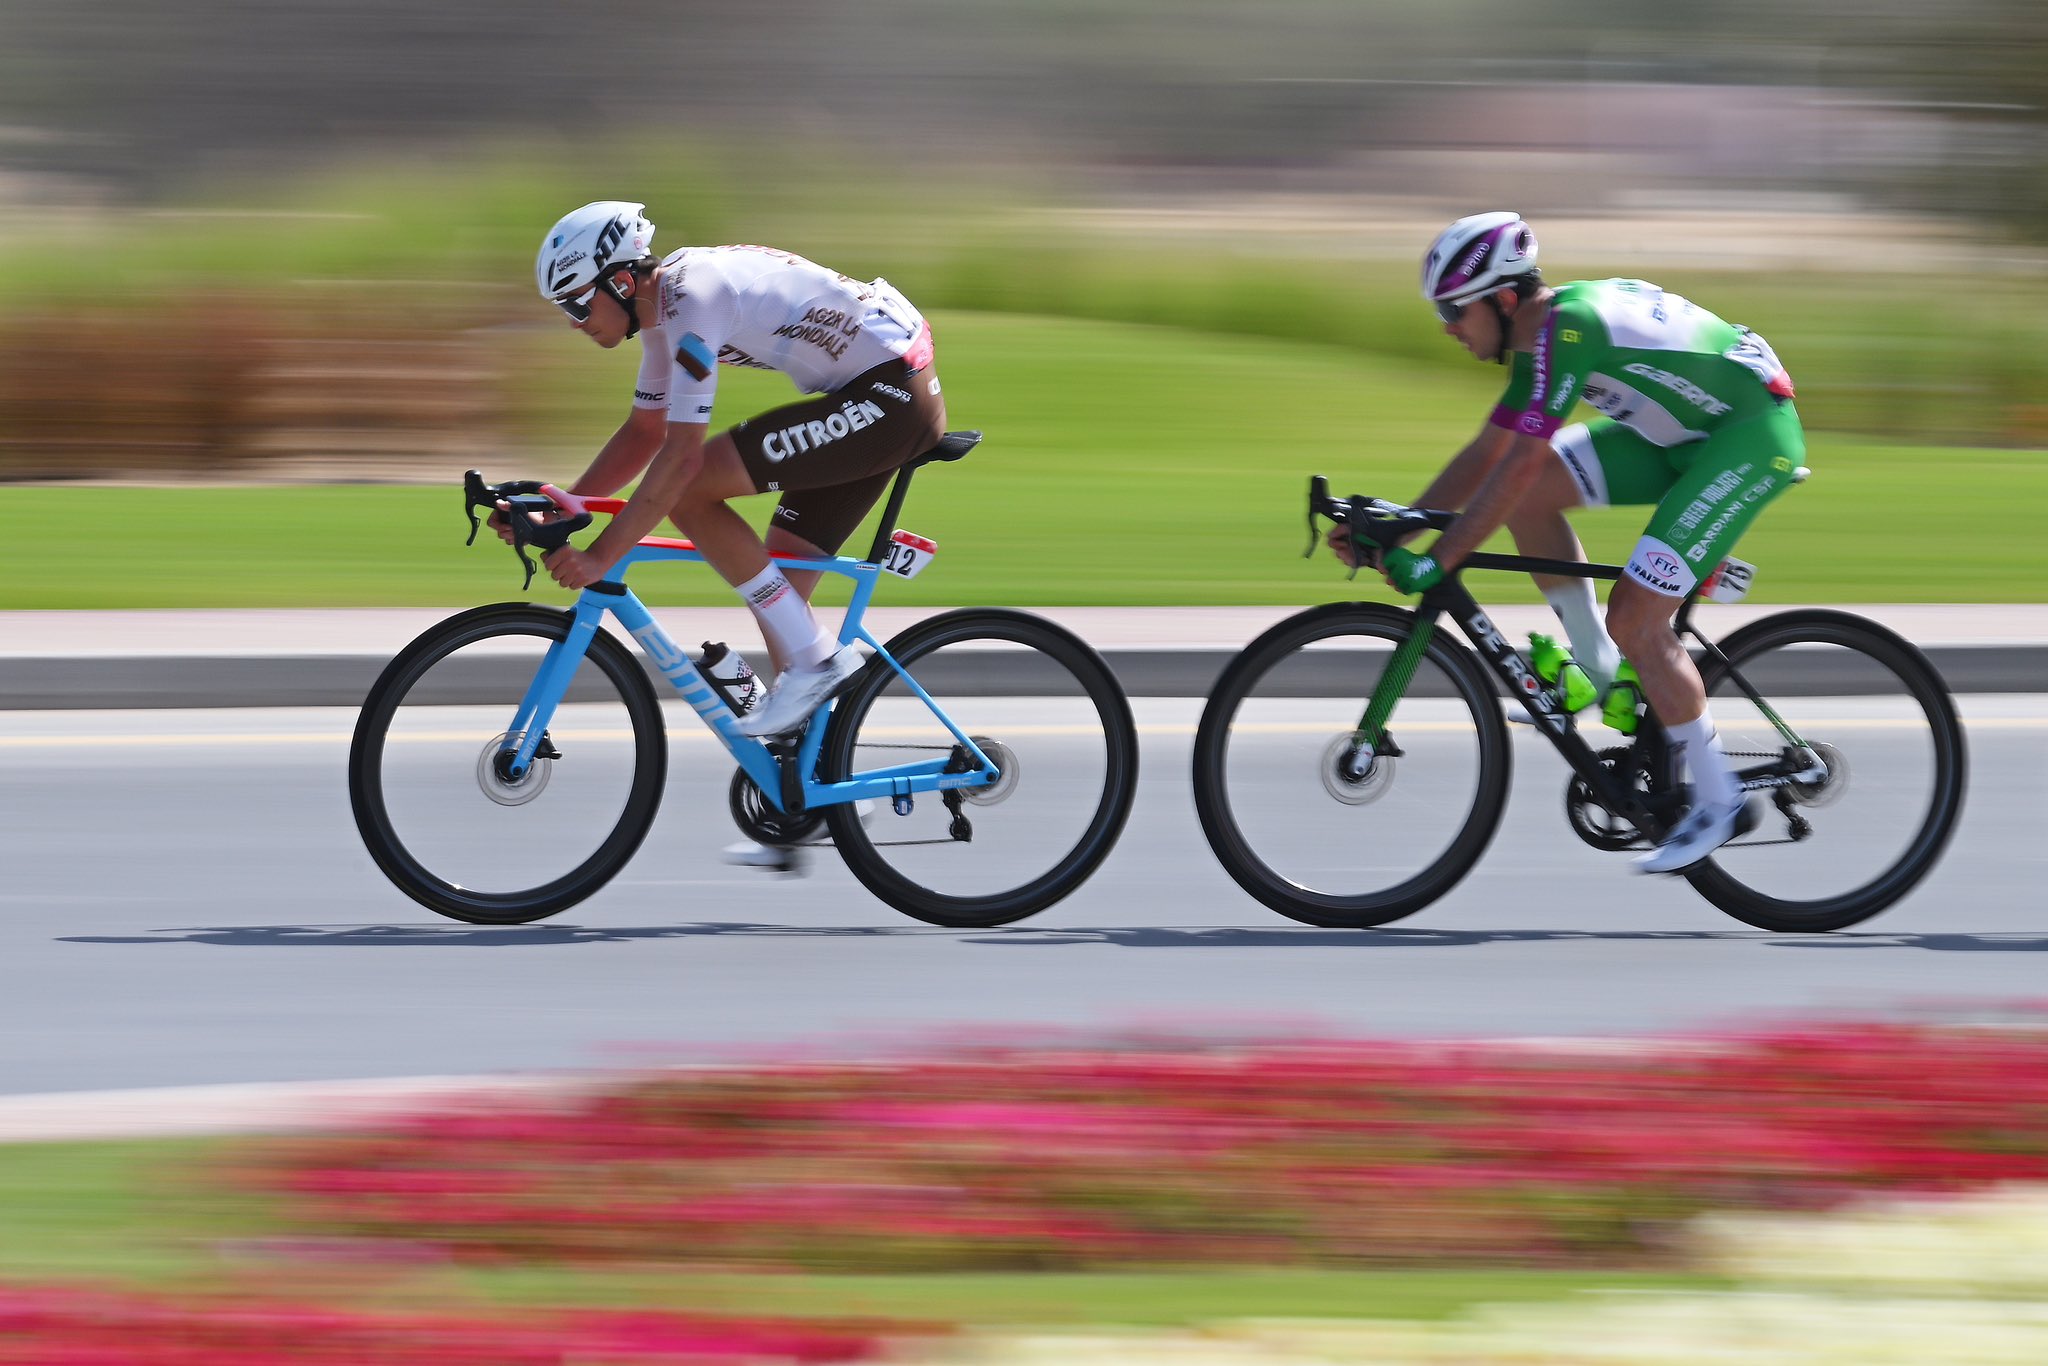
494,775
1352,773
1829,786
1005,760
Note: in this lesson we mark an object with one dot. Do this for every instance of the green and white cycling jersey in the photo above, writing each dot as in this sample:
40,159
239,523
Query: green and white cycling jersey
1697,419
1651,360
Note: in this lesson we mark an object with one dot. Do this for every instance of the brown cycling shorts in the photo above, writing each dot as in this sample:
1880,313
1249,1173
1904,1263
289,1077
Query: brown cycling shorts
831,456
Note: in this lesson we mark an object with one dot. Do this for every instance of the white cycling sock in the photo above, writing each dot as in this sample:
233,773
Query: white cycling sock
1695,744
1592,647
786,621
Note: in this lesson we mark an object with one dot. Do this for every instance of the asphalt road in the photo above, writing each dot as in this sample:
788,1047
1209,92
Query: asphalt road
187,902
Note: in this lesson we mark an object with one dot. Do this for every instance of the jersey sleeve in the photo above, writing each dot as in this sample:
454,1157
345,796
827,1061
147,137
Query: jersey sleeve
699,309
1566,350
650,390
1521,374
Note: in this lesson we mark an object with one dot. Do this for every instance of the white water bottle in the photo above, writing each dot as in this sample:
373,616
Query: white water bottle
731,675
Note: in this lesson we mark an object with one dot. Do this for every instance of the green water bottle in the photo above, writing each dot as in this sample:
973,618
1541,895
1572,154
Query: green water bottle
1624,700
1558,669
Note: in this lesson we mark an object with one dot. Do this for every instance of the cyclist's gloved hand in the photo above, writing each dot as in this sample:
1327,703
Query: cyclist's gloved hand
1409,572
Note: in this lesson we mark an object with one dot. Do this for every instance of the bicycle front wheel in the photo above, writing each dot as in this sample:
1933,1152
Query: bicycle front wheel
436,803
1300,817
1045,708
1834,851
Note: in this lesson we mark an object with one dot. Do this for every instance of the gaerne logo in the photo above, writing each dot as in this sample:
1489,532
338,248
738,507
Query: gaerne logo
1680,385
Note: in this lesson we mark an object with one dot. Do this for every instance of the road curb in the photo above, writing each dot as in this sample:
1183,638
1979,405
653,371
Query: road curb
41,684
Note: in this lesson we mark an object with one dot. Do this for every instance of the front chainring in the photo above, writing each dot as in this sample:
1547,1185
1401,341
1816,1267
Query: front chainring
760,821
1594,823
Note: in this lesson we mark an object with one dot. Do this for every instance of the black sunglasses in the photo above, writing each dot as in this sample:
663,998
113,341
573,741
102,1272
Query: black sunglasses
1449,311
577,306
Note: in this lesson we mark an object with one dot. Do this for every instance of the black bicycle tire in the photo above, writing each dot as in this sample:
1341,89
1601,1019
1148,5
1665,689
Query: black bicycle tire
365,773
1120,778
1212,799
1925,684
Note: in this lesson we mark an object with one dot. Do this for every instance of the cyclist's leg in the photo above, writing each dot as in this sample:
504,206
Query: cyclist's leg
1724,483
1727,481
829,457
1540,529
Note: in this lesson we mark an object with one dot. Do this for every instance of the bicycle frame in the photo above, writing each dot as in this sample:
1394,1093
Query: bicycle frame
785,776
1643,810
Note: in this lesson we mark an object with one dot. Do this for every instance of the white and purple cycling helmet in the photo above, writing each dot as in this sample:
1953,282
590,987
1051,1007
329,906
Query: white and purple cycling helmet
1474,257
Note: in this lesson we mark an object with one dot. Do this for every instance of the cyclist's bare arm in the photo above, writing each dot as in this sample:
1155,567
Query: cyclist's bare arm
675,463
631,449
1520,464
1460,480
1467,471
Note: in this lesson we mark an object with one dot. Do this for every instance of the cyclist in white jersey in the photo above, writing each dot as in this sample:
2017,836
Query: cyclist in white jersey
1696,418
858,345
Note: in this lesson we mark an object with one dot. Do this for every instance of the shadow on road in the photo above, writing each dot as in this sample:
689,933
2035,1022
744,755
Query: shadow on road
1025,936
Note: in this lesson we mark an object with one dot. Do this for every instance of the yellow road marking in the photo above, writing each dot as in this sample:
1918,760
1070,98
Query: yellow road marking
698,736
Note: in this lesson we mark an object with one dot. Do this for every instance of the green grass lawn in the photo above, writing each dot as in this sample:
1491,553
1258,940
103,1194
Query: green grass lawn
1124,464
156,1213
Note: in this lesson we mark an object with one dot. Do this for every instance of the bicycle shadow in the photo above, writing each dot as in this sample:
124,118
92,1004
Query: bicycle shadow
1153,937
480,936
1028,936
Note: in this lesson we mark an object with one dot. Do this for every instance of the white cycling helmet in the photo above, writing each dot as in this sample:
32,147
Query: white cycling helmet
578,252
1475,256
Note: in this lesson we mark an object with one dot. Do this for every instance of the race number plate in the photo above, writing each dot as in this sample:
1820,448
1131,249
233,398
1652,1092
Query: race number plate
1730,581
908,554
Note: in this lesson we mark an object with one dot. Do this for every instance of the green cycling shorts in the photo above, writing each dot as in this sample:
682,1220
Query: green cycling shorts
1706,492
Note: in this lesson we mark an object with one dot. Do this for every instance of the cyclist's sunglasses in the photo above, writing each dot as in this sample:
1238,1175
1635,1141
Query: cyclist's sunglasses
577,306
1451,312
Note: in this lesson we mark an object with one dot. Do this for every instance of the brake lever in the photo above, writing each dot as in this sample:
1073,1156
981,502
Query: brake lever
1360,509
1318,493
477,494
547,535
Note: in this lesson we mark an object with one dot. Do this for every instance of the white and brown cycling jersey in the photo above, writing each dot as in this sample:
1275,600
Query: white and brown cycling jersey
859,347
769,310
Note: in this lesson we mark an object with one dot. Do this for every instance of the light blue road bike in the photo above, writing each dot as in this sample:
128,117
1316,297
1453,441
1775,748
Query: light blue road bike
511,759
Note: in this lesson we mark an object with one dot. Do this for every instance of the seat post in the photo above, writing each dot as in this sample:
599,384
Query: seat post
887,526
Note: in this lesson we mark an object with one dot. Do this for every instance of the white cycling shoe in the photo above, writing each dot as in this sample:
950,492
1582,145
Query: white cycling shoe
799,692
1699,832
754,854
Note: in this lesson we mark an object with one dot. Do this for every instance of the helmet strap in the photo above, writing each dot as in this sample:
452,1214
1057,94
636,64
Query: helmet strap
627,302
1501,315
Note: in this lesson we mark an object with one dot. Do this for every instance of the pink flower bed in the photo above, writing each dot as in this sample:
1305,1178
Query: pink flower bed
1315,1153
80,1328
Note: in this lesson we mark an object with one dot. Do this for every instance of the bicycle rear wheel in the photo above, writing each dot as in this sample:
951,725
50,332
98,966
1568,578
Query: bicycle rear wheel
1050,714
1276,784
1882,721
435,804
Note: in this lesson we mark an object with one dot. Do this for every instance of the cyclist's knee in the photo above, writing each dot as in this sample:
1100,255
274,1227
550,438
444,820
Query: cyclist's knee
1637,616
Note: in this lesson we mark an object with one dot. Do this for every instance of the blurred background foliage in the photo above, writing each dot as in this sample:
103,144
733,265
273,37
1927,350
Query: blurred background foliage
293,241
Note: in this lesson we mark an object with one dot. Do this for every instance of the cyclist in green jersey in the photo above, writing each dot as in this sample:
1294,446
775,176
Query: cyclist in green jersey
1695,418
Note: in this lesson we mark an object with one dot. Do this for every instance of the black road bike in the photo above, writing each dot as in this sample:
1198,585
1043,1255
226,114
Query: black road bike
1353,761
